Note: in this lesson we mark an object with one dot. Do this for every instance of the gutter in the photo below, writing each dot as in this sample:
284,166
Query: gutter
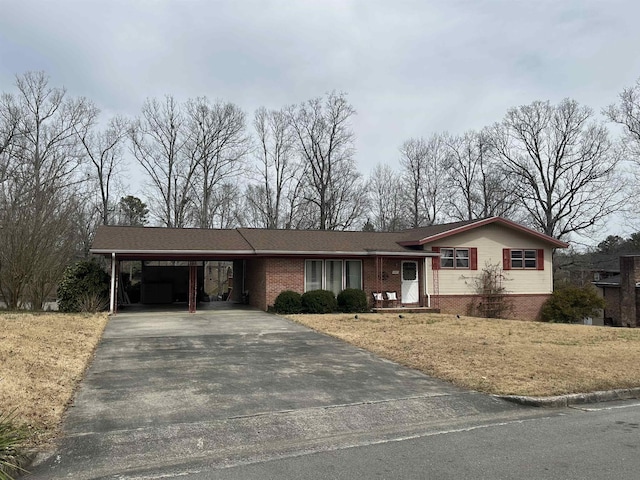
103,251
422,254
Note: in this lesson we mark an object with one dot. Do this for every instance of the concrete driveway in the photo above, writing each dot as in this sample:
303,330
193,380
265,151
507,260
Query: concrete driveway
171,393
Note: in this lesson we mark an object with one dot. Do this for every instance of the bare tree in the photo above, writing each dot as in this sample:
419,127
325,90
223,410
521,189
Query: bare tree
157,142
423,167
42,162
627,114
276,169
226,203
478,186
562,164
387,200
9,121
105,153
325,142
216,146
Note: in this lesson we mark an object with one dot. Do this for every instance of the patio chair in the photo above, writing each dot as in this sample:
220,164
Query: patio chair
378,299
392,299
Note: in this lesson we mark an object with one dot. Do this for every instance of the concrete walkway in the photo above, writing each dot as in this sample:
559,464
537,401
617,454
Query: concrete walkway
179,393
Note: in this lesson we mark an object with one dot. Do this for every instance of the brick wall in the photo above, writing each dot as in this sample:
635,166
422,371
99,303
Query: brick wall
525,307
380,277
265,278
282,274
629,277
254,282
612,305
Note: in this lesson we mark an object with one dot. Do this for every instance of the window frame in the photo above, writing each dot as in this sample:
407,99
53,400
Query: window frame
454,258
323,272
525,258
306,262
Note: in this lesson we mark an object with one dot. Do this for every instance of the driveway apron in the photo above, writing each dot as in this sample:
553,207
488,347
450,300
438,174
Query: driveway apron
169,391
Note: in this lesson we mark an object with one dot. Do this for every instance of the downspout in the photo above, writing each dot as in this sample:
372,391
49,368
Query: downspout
112,298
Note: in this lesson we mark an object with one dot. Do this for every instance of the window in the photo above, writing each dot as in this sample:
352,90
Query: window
446,260
333,275
313,275
353,274
523,259
409,271
462,258
455,258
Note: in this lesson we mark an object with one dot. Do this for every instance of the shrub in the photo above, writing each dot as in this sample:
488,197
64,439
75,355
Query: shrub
352,300
571,304
81,283
92,303
492,301
288,302
319,301
11,439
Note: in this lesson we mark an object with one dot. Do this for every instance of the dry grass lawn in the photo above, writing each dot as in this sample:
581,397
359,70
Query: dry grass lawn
42,359
495,356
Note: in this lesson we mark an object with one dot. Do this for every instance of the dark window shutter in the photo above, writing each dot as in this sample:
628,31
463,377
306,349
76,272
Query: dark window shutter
506,259
540,259
435,261
473,258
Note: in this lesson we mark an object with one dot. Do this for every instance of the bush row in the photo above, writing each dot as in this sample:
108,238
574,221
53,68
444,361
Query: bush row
350,300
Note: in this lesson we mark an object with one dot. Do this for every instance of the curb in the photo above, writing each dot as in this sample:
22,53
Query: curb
573,399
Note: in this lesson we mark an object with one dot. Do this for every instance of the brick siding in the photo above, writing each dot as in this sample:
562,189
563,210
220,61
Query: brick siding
524,307
266,278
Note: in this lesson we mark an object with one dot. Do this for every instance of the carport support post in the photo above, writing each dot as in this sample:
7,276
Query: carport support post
114,285
193,286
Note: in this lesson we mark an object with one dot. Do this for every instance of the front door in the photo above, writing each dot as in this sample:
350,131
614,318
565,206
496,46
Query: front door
410,284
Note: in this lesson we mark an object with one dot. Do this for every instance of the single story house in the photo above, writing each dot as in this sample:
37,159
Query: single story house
430,267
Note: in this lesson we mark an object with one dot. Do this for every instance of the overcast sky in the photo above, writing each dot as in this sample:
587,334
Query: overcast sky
410,68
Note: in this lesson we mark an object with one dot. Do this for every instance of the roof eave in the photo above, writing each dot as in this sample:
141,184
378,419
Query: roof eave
120,251
324,253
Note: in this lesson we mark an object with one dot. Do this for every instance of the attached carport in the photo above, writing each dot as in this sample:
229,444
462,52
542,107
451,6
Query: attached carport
191,247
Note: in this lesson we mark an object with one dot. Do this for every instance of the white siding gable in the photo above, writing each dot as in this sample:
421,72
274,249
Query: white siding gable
490,240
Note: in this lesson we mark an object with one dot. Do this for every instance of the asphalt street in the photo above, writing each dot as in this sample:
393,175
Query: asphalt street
241,394
600,444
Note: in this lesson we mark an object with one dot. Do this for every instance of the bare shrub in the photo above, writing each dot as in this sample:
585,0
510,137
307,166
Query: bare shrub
92,303
492,301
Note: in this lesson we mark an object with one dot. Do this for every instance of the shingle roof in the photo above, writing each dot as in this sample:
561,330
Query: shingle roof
191,242
157,239
416,234
321,241
243,241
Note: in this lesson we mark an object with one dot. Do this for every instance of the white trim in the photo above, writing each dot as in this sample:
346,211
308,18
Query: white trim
112,296
426,284
102,251
333,253
403,298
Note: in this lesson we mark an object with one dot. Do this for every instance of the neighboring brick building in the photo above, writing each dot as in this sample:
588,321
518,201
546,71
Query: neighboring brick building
437,266
621,294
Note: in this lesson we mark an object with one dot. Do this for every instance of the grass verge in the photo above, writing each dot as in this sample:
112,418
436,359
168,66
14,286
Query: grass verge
43,357
495,356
